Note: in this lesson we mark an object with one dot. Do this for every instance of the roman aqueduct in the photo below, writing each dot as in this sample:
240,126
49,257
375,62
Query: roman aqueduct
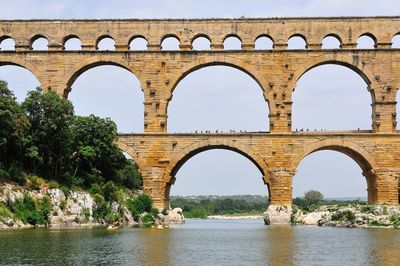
277,153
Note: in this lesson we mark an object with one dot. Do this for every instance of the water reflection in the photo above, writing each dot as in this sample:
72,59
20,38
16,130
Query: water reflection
280,241
384,246
203,243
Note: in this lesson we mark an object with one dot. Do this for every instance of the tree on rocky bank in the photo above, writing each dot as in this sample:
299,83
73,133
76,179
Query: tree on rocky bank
42,136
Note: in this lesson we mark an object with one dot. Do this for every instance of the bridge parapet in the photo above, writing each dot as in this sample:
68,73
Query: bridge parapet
346,29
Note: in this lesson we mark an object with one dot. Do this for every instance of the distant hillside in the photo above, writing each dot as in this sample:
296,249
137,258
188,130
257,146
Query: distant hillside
247,198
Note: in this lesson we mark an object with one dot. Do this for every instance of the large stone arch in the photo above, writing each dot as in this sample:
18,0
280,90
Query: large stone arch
365,74
217,61
135,156
186,153
26,65
361,156
100,60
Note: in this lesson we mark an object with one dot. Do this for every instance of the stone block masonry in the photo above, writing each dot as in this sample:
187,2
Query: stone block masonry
276,153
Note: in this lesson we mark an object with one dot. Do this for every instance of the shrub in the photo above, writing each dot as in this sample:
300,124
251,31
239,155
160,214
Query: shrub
147,218
344,216
376,223
112,217
395,219
66,191
385,210
86,213
5,212
95,189
367,209
44,210
146,202
53,184
154,212
101,208
36,182
109,191
63,204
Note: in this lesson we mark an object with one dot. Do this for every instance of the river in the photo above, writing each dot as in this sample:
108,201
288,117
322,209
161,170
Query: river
202,242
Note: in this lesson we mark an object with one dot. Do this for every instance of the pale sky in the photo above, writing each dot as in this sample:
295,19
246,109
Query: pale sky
322,99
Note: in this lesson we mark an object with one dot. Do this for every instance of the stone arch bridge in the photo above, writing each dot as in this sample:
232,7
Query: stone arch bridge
276,153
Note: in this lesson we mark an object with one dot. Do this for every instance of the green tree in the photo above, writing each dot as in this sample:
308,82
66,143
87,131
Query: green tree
129,176
13,128
313,197
50,117
95,157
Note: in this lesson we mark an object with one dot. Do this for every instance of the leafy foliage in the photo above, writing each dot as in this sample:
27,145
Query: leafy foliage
49,135
30,211
139,204
43,137
219,206
13,127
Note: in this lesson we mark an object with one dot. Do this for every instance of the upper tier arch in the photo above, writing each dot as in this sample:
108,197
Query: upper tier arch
76,70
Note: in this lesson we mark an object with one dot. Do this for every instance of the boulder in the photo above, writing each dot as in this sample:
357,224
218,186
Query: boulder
312,218
277,214
174,216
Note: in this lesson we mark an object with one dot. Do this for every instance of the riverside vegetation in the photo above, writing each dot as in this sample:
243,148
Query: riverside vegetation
53,162
204,206
312,209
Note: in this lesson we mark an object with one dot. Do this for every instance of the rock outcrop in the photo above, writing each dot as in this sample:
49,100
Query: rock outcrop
277,214
73,210
350,216
172,216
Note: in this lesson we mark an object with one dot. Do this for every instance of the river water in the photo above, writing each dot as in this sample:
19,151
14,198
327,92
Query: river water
202,242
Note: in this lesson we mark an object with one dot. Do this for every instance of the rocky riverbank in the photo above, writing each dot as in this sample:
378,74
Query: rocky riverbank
69,209
234,217
363,216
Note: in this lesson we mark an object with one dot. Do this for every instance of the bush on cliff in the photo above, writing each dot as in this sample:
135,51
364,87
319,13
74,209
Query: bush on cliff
42,136
27,210
140,204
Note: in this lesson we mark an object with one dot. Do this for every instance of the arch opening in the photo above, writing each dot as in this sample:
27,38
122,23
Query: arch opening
40,43
170,43
73,43
232,43
331,42
196,102
396,41
264,43
208,171
105,43
331,97
138,44
20,80
7,44
297,42
201,43
336,172
366,41
109,90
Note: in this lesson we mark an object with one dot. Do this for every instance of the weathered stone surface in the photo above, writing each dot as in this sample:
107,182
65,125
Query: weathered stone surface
276,153
350,216
277,214
173,216
313,218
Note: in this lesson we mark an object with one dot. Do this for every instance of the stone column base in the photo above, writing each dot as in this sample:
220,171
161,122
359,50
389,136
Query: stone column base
174,216
277,214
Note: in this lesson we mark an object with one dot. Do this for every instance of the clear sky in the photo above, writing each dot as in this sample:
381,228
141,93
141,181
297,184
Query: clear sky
322,99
